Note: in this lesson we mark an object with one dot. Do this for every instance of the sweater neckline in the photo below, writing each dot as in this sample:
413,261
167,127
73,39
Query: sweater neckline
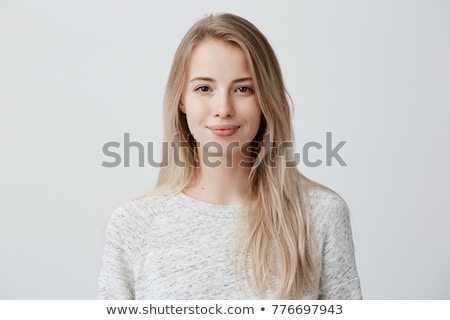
207,208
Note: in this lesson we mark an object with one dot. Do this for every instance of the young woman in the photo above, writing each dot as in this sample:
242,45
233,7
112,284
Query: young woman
230,216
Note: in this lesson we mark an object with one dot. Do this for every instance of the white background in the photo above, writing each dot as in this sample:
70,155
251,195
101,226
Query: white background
77,74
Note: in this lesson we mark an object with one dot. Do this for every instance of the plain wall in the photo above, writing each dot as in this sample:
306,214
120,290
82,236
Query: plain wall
77,74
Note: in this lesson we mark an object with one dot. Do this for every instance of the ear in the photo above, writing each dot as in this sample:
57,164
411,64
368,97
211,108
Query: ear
181,106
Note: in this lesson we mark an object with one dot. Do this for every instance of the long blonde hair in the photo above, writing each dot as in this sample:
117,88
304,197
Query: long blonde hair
278,243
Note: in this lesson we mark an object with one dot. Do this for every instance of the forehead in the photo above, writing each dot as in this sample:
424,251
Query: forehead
214,56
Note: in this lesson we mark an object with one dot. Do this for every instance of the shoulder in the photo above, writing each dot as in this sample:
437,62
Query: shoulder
328,209
323,200
140,208
131,219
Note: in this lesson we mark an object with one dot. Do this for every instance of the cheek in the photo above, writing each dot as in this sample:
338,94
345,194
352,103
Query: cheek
254,113
192,107
196,114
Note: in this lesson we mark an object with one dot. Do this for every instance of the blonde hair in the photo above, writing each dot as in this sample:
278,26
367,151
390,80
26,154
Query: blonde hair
278,242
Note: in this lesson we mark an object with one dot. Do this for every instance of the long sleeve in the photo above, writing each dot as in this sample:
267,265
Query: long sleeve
116,279
339,276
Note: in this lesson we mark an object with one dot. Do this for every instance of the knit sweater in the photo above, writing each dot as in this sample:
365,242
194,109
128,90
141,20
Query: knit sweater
176,247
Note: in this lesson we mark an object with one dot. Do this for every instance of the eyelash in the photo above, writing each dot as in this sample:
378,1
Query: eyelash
200,89
248,89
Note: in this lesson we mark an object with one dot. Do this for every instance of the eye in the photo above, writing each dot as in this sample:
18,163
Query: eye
202,89
244,89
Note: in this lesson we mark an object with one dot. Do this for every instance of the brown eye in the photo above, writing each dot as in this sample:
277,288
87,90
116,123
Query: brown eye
244,89
202,89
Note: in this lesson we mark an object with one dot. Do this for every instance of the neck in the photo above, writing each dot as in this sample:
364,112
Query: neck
221,185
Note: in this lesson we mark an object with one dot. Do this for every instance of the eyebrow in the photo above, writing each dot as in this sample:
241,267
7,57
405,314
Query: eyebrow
212,80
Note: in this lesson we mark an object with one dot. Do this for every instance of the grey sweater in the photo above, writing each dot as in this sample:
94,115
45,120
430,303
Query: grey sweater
176,247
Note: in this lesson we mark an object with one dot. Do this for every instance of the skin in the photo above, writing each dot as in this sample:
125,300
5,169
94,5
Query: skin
221,107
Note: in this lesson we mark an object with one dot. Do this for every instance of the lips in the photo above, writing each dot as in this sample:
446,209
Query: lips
223,130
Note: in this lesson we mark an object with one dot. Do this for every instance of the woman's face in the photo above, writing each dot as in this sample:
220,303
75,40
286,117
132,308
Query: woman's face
218,97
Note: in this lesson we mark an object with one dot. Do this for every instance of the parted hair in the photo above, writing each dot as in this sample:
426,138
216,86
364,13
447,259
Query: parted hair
276,249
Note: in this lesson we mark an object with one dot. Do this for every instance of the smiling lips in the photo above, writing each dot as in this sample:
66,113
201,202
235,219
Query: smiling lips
223,130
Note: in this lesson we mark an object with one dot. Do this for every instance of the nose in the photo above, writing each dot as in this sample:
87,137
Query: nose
223,106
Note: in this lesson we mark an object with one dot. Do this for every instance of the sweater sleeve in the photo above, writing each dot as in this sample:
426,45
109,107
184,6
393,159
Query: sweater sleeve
116,279
339,276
